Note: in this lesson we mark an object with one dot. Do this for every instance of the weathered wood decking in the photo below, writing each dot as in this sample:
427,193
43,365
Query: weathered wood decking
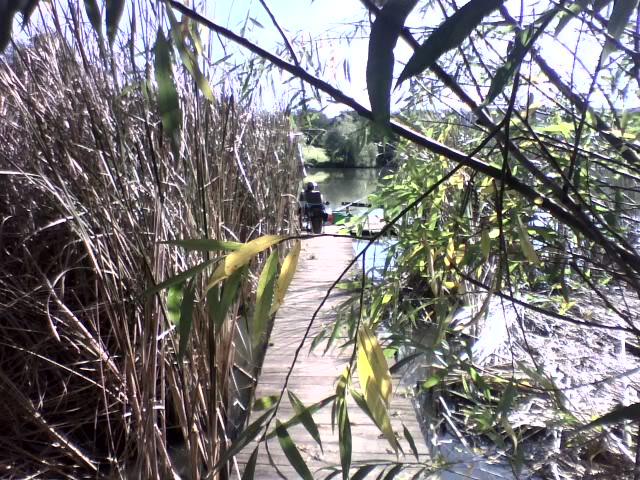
313,379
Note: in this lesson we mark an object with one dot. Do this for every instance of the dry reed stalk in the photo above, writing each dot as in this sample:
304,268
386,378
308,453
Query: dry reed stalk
91,384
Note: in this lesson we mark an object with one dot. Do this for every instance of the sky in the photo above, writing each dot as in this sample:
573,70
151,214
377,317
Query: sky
326,21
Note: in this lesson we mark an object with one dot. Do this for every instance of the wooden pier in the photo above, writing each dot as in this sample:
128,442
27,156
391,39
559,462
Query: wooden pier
314,375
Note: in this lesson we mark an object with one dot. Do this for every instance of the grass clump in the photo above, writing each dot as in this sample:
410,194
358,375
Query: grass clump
90,384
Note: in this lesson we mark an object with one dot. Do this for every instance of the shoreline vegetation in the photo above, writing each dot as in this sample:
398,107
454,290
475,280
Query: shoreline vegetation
345,141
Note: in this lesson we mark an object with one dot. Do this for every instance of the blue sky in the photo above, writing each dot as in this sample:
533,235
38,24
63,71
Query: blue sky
325,21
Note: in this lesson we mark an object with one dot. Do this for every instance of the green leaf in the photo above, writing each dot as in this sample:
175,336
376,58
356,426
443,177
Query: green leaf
393,472
450,34
432,381
291,452
362,472
114,9
506,401
264,297
344,437
28,7
229,291
188,57
168,101
203,244
396,367
265,402
524,40
305,418
250,468
249,433
7,12
630,412
93,14
573,10
620,15
526,245
411,442
180,278
186,317
296,419
362,404
174,301
383,39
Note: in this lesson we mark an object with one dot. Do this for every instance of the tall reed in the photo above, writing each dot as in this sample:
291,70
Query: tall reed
90,384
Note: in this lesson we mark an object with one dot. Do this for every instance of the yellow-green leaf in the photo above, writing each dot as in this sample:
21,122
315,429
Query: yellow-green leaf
264,296
241,257
263,403
204,244
343,382
450,253
525,242
380,412
375,381
485,244
372,364
286,276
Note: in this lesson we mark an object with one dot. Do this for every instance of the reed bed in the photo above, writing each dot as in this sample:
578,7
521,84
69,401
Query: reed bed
90,384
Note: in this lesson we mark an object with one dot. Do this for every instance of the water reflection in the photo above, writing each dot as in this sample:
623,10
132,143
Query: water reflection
344,184
375,258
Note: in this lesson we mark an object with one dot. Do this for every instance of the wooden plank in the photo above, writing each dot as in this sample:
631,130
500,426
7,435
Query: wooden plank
314,375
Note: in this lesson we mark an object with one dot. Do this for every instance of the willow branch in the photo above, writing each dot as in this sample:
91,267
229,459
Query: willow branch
586,228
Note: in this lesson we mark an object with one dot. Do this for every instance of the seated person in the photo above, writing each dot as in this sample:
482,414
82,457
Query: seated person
310,197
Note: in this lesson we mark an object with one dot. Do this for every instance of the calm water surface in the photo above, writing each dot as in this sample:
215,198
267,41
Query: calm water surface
344,184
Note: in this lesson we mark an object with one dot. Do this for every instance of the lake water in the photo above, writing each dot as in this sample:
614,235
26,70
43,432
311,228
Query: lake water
344,184
349,185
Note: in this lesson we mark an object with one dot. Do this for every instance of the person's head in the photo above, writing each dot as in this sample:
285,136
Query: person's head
311,186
